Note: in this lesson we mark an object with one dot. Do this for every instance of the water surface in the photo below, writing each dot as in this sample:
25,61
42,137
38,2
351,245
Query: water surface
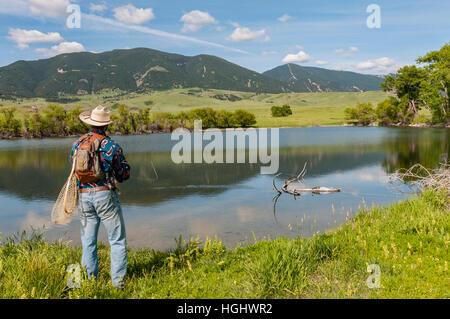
233,201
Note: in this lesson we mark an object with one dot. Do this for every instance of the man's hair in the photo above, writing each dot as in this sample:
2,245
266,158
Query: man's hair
103,128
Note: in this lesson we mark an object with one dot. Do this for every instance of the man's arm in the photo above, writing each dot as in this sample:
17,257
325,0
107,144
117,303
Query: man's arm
113,160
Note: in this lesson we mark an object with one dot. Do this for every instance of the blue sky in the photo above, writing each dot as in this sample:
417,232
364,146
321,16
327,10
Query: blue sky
258,35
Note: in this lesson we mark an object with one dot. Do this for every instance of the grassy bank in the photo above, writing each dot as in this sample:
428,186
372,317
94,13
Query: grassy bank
408,240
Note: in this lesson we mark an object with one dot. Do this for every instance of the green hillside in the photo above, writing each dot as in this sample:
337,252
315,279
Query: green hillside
141,69
128,70
312,79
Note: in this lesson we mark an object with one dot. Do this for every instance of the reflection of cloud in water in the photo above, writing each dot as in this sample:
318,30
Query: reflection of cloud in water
35,221
203,227
247,213
373,177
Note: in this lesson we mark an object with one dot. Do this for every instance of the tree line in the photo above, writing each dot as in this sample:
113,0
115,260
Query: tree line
414,88
56,121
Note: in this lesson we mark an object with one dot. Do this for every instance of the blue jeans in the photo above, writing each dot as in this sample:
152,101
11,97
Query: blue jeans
104,207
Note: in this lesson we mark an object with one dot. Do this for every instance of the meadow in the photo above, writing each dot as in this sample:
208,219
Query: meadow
309,109
407,240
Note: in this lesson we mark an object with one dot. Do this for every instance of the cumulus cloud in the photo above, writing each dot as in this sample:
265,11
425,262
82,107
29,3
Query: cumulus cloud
242,34
301,56
63,47
284,18
24,37
97,7
320,62
346,53
129,14
195,20
380,65
48,8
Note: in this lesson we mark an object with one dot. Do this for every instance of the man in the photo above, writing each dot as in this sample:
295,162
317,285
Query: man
98,200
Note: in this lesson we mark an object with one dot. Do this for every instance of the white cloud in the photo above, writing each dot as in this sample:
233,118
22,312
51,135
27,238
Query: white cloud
301,56
97,7
24,37
269,52
18,7
195,20
48,8
63,47
284,18
320,62
129,14
380,65
234,24
242,34
119,26
299,47
346,53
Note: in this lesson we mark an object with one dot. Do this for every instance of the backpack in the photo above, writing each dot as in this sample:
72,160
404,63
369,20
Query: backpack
87,159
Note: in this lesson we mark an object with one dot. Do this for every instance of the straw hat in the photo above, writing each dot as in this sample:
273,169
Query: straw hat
100,116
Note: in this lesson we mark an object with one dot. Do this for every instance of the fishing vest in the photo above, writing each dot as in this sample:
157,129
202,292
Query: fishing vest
88,168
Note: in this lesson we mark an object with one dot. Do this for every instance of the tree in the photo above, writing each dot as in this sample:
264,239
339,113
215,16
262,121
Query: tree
206,114
243,118
437,85
407,84
363,113
389,111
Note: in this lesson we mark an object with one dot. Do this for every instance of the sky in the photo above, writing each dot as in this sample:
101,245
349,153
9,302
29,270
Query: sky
372,37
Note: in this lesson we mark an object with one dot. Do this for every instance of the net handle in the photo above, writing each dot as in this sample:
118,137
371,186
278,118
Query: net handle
74,159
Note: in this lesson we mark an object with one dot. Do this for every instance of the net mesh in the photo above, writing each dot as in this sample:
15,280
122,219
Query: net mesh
66,202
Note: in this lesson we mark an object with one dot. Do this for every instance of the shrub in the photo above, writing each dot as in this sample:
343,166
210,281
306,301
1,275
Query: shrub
281,111
9,125
225,119
363,113
243,118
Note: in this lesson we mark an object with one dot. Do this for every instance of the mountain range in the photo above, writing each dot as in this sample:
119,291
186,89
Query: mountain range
142,69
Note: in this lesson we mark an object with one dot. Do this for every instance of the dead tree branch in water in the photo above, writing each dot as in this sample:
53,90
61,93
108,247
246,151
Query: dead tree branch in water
420,177
292,190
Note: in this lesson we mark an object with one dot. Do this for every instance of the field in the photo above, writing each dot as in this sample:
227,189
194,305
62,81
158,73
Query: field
408,241
309,109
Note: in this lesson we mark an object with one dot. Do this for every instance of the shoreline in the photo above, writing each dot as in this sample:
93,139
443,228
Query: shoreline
417,125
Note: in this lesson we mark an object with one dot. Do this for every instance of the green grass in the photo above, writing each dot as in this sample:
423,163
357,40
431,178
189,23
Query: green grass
309,109
408,240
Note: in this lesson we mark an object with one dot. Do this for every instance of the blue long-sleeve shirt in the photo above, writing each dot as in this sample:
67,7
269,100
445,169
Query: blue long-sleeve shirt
112,160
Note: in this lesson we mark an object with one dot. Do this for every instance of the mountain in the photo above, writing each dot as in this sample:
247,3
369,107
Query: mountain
312,79
129,70
141,68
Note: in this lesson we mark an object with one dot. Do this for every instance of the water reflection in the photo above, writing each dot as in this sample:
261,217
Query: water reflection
163,200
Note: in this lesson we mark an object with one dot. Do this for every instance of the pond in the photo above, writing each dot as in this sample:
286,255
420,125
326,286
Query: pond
163,200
